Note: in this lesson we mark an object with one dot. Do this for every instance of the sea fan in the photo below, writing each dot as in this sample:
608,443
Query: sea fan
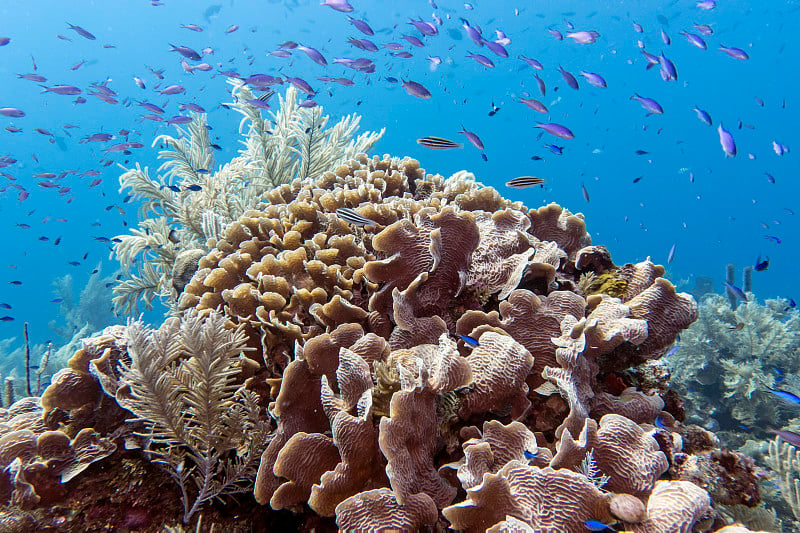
180,382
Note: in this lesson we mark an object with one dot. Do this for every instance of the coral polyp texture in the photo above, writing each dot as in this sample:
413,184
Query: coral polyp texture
381,348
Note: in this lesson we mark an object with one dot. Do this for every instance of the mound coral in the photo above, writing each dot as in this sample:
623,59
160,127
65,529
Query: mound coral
431,364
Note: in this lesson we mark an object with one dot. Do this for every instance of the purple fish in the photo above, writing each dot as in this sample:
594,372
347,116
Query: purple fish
736,291
307,103
280,53
555,33
139,82
736,53
313,54
583,37
472,32
338,5
301,85
179,119
651,59
556,129
702,115
255,102
789,436
262,80
191,107
4,41
33,77
232,28
667,68
707,4
779,148
152,107
186,52
649,104
584,192
173,89
540,83
532,62
361,64
594,79
726,141
361,26
483,60
569,78
536,105
63,89
425,28
671,254
416,89
363,44
403,54
665,38
638,27
474,139
12,112
497,48
705,29
413,41
80,31
695,40
192,27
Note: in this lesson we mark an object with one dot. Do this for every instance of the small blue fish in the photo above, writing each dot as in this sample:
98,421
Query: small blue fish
469,340
703,116
659,422
595,525
760,265
672,350
773,238
787,397
739,293
530,456
558,150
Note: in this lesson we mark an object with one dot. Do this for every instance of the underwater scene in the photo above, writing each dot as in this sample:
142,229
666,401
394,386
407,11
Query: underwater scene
399,265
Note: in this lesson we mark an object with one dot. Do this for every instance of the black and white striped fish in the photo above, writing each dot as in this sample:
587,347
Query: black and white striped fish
523,182
438,143
353,217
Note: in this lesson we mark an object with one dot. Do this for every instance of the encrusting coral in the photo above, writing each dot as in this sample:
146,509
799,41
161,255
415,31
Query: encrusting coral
434,365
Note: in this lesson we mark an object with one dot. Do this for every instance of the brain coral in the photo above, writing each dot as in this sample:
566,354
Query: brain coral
441,356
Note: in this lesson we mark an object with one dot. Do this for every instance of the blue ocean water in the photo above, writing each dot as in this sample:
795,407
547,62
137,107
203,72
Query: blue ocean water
714,209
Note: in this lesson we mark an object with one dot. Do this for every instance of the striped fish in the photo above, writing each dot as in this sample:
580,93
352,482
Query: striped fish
438,143
353,217
523,182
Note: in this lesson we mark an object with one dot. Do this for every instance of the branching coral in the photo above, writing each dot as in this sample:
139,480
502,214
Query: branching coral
189,204
729,358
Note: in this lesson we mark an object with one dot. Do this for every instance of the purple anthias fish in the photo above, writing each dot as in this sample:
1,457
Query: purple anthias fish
667,68
702,115
425,28
471,137
736,53
255,102
416,89
263,80
192,27
649,104
179,119
555,33
12,112
173,89
584,37
4,41
651,59
532,62
313,54
789,436
638,27
569,78
556,129
152,107
363,44
361,64
483,60
413,41
726,141
540,83
63,89
472,32
191,107
695,40
301,85
497,48
232,28
594,79
338,5
186,52
139,82
707,4
280,53
80,31
705,29
665,38
33,77
361,26
536,105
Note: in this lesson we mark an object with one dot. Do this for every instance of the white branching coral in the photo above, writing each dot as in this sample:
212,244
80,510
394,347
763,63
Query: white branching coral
180,382
189,204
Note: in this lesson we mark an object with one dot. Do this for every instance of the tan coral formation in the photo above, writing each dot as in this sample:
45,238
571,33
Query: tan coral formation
384,415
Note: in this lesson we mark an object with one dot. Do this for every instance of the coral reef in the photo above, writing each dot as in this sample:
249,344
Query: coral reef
190,203
730,357
431,364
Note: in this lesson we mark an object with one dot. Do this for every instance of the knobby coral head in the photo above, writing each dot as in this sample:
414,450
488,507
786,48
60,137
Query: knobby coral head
351,296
